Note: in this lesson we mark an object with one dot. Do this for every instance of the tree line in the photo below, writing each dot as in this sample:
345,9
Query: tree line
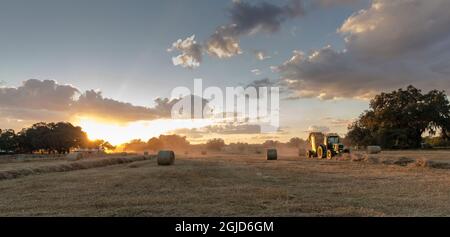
170,142
217,144
47,138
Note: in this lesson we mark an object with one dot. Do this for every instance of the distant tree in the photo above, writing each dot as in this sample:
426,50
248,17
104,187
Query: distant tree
48,137
296,142
174,142
215,144
360,135
98,144
8,141
135,145
64,136
398,119
37,137
270,144
241,146
108,146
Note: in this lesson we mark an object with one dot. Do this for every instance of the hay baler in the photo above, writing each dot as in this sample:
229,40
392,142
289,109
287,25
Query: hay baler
325,145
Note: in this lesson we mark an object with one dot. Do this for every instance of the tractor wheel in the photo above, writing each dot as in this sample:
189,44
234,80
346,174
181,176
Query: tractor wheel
321,152
329,155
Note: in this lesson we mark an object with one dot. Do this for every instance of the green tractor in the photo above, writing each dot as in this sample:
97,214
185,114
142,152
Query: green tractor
325,146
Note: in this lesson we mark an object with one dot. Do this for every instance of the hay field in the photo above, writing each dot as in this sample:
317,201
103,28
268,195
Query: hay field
235,185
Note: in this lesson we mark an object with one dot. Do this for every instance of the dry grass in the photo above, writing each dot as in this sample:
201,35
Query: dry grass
64,166
231,185
429,159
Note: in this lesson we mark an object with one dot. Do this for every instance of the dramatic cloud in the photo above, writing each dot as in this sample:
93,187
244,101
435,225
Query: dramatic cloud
245,19
249,19
386,48
36,94
36,101
395,28
92,103
328,74
191,53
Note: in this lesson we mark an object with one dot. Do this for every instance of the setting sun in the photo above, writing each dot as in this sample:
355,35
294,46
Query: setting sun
118,134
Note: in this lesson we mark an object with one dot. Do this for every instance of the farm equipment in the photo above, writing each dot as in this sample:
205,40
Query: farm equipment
325,146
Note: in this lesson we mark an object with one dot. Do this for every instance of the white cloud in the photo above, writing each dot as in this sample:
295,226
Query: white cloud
191,52
261,55
256,72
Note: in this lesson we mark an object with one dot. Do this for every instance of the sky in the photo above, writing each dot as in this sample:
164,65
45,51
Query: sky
103,63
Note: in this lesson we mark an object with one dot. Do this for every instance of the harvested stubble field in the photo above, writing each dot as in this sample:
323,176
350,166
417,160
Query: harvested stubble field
235,185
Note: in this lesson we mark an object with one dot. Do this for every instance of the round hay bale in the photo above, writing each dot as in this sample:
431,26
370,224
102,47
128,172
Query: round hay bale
74,156
373,149
166,158
272,154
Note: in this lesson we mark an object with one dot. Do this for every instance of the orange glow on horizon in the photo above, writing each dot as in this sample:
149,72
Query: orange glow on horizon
119,133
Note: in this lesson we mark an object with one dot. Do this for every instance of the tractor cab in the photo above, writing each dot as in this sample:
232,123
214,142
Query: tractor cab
332,139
